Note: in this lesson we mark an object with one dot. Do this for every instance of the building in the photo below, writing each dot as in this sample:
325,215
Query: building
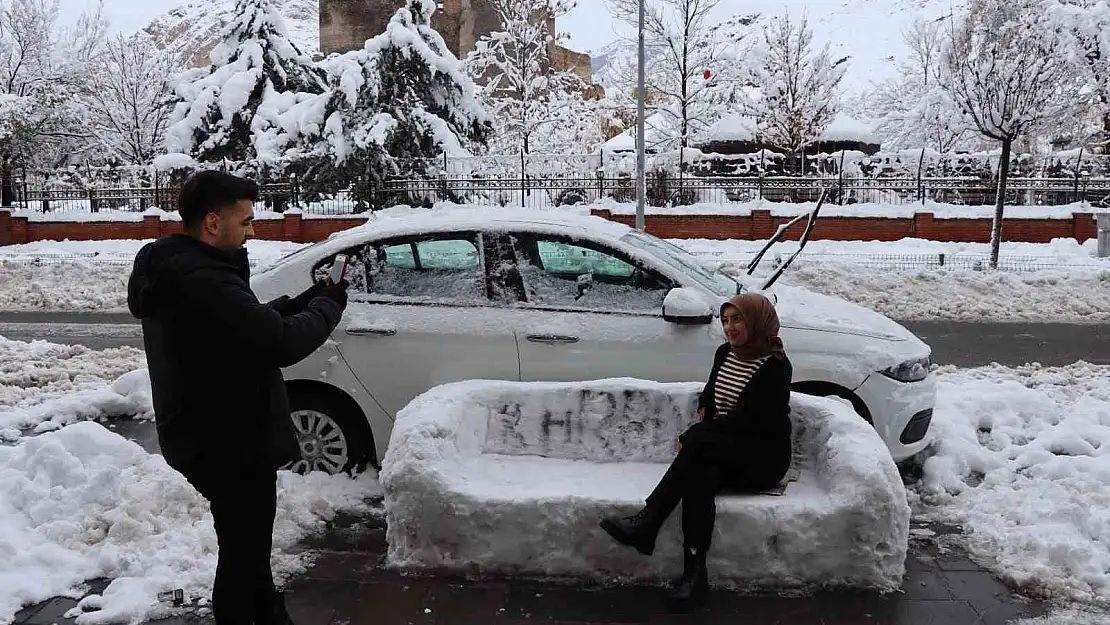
346,24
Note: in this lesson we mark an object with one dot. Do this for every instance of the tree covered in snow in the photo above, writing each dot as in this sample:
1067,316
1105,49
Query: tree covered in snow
1004,67
401,100
43,66
912,109
681,47
1085,25
127,96
798,85
256,73
526,95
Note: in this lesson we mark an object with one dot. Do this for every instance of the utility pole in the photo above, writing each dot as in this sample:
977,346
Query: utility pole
641,181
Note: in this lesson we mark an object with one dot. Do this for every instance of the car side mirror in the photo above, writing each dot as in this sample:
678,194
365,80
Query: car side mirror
686,306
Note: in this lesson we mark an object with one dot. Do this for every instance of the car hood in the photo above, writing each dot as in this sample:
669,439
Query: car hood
804,309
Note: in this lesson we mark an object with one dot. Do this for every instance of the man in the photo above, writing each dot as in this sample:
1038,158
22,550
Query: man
214,354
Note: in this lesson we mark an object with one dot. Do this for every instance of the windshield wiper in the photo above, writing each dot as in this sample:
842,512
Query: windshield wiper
805,237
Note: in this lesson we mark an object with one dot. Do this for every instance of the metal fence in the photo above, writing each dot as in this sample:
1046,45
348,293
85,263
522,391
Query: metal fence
545,191
731,262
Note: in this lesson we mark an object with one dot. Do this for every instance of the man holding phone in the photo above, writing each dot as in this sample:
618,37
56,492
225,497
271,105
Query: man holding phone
215,355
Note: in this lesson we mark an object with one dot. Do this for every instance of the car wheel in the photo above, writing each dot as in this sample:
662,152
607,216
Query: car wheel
331,439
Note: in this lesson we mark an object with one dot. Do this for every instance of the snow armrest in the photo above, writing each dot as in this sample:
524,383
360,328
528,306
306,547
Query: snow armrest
513,478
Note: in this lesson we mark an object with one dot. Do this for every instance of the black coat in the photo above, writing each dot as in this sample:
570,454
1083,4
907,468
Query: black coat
758,426
215,355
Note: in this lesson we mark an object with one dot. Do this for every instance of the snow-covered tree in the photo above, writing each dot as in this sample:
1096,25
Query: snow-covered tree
43,66
256,73
402,99
681,47
128,99
912,109
798,85
1086,27
524,93
1004,68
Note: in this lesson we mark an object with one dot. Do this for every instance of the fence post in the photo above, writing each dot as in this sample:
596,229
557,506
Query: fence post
1102,221
523,181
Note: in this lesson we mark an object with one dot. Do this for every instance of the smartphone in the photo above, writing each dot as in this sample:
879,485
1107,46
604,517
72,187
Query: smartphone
338,269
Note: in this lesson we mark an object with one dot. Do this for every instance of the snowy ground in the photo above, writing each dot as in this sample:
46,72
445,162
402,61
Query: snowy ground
1062,281
1021,463
80,502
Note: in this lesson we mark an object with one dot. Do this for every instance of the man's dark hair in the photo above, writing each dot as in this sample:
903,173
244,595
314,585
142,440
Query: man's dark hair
211,192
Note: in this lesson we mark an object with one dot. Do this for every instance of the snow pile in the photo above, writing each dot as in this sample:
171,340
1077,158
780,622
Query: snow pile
1021,462
514,478
84,503
45,386
87,275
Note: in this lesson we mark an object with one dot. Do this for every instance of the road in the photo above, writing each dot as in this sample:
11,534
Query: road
955,343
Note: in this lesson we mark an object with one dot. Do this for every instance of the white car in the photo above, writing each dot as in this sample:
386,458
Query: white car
503,294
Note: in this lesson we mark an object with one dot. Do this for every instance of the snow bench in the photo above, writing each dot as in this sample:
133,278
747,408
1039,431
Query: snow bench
513,478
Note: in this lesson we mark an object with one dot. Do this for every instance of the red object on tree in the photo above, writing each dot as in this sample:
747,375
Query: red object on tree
705,74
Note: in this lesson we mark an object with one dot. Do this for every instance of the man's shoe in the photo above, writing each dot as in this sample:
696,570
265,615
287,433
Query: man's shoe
638,530
693,588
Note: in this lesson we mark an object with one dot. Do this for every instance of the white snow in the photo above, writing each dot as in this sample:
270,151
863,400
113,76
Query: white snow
45,386
513,478
84,503
1022,460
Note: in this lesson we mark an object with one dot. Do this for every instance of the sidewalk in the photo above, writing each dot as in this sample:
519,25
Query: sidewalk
347,585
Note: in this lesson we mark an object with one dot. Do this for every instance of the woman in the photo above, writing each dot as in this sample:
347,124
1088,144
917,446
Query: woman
742,442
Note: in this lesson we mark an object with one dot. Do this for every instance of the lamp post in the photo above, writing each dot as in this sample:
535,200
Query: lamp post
641,182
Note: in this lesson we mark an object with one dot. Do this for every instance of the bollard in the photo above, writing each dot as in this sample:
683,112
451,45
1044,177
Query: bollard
1103,223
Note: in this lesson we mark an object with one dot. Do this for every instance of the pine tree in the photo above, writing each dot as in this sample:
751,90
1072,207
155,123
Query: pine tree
401,100
216,115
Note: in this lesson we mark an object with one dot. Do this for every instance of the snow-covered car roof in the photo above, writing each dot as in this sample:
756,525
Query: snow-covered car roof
444,220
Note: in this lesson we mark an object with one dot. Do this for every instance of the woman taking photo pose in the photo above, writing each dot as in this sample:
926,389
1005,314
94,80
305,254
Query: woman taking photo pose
741,443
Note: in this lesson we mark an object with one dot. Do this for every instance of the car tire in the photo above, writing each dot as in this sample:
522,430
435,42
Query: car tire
331,438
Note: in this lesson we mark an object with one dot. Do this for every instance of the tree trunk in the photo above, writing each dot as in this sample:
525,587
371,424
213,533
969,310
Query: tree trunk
1000,200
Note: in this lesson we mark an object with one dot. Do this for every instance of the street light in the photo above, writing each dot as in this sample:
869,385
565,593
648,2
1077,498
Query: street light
641,181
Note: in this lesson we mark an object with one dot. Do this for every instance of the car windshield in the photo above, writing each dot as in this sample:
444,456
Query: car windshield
715,281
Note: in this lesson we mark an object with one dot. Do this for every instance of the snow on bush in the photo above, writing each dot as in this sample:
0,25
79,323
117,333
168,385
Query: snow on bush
83,503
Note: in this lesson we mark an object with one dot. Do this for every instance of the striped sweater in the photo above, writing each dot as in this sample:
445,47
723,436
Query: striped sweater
731,380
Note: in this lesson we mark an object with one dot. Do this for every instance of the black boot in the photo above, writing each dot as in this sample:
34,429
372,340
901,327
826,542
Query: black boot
277,614
692,589
638,530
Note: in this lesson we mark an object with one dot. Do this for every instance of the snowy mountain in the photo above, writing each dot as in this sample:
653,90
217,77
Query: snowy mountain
192,30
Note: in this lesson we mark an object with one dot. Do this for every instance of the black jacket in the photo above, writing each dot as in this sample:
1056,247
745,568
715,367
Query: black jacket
215,353
759,423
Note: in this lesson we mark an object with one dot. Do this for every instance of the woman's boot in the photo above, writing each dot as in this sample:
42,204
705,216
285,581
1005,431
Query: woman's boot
638,530
692,589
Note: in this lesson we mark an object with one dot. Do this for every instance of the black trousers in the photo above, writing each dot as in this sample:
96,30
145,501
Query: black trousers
244,504
710,461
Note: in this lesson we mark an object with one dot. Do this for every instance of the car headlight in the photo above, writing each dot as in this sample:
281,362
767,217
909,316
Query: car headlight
910,371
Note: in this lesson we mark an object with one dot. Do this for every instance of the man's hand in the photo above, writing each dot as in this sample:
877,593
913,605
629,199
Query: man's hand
336,292
701,414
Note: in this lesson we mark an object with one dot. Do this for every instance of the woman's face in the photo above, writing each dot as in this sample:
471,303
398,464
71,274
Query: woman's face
736,331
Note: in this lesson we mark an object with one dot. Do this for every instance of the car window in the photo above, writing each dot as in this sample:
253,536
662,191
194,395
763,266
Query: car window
442,269
576,274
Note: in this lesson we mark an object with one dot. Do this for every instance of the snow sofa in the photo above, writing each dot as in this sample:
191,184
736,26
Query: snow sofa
513,478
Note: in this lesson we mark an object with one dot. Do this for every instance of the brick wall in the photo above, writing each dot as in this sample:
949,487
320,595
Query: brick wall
759,225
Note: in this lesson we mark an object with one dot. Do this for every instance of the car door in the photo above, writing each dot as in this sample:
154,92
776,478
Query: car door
588,311
419,315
